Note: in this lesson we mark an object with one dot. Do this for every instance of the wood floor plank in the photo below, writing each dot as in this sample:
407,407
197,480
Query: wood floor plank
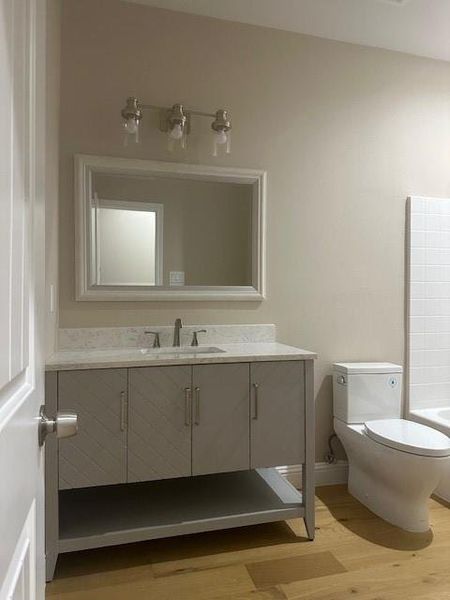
96,581
388,582
231,582
269,573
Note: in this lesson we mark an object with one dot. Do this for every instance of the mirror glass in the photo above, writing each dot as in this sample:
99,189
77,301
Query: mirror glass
148,230
171,232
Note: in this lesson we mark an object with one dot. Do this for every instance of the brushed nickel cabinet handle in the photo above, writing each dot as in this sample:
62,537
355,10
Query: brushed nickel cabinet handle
187,406
255,401
197,406
123,409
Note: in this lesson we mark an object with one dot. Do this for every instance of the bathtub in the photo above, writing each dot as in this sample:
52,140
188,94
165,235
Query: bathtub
438,418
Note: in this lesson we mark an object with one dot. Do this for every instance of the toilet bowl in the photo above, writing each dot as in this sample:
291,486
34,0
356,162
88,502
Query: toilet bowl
392,483
394,464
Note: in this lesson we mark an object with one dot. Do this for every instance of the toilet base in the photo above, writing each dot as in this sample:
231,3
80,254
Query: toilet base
389,505
443,489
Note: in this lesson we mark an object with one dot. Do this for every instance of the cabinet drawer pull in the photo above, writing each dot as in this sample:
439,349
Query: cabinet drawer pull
187,406
197,406
123,411
255,401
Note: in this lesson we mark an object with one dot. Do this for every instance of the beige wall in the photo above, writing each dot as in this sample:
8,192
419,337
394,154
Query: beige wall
52,151
345,133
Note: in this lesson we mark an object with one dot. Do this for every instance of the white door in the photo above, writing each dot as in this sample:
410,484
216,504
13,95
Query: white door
21,298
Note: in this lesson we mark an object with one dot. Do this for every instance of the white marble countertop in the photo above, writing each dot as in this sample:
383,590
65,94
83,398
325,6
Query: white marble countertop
66,360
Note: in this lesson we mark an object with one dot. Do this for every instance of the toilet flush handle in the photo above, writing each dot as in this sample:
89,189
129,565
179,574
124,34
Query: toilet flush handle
341,380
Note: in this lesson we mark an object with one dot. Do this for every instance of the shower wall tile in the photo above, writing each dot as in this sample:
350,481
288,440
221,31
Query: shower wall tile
430,375
428,283
417,341
418,256
417,307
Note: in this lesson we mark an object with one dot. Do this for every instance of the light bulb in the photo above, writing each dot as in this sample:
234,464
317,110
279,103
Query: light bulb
221,137
176,133
131,126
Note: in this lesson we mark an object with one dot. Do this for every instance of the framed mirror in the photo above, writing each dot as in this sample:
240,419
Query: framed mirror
148,230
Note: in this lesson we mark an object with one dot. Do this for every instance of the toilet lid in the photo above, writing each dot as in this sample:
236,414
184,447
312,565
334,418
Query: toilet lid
408,436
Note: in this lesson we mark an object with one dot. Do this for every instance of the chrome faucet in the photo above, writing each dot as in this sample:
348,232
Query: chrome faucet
176,332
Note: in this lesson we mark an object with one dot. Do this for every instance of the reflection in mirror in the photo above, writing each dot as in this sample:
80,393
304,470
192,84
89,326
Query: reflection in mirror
205,236
127,243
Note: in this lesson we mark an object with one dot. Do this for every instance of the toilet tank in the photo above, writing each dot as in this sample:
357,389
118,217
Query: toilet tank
366,391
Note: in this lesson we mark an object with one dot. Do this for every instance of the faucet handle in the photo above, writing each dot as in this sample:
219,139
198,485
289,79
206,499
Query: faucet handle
195,334
156,341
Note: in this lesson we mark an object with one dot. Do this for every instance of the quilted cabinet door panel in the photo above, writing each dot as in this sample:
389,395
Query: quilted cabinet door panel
97,454
277,423
220,430
159,430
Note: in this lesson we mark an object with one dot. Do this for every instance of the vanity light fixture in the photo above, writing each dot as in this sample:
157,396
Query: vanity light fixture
176,122
222,132
132,115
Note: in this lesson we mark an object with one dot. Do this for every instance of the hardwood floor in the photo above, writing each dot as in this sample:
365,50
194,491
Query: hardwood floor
356,555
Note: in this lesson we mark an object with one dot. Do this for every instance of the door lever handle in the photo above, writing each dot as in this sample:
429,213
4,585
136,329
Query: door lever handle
65,424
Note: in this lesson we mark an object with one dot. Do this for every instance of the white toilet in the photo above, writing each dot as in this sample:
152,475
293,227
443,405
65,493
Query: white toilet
394,464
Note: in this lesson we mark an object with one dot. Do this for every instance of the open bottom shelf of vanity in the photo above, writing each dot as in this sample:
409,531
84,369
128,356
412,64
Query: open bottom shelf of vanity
121,514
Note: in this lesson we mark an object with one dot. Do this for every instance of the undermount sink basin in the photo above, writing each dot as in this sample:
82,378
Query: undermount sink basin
182,350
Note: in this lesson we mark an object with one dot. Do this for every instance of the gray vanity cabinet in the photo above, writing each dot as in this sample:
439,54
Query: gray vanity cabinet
153,423
220,412
159,423
158,426
277,423
97,454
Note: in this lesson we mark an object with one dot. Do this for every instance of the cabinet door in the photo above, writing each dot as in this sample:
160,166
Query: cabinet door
220,431
159,428
97,454
277,429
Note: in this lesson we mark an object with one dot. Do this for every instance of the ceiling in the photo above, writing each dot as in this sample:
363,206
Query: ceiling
419,27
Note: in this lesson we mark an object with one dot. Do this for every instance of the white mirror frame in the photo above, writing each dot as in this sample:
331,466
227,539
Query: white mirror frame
86,165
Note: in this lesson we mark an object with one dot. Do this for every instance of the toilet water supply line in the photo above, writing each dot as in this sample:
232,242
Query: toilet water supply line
330,456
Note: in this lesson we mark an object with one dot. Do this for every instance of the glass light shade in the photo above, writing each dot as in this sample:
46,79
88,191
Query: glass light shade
221,139
131,127
176,135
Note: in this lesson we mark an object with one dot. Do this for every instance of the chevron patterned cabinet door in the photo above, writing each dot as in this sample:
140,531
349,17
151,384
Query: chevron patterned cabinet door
220,430
97,454
277,423
159,430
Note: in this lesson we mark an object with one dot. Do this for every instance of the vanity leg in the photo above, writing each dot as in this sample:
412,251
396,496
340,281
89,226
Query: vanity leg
308,495
50,565
310,528
308,483
51,480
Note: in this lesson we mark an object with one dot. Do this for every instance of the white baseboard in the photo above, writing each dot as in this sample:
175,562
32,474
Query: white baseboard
325,474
